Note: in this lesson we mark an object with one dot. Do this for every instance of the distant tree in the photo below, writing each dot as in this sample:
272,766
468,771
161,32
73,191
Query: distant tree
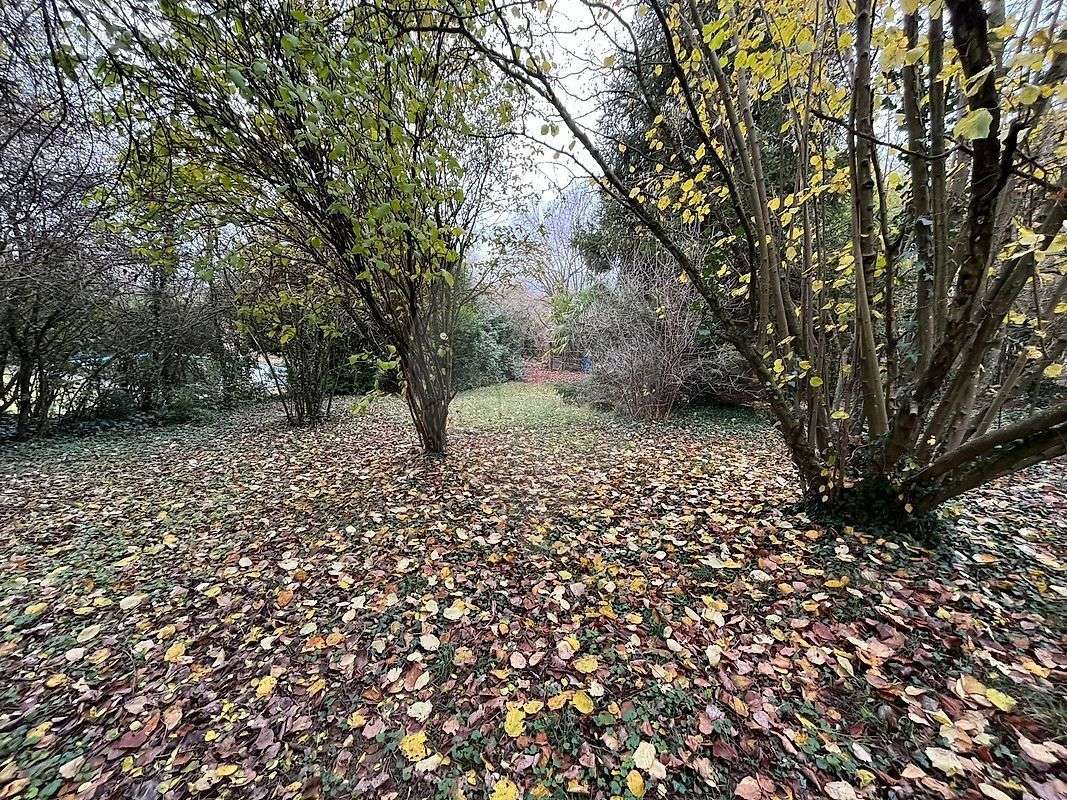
550,256
294,311
58,271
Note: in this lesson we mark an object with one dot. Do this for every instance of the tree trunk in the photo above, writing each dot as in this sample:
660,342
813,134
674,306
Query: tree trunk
922,218
431,422
427,371
863,223
24,398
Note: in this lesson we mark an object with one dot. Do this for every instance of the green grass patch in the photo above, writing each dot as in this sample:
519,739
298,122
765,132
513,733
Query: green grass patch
516,405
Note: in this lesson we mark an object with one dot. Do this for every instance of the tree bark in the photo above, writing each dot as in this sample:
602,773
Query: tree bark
921,213
863,222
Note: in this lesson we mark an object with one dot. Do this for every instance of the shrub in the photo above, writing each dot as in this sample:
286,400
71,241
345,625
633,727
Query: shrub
356,375
186,404
487,348
649,345
576,393
114,403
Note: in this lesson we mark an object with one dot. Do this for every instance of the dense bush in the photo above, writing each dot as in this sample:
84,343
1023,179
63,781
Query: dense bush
487,348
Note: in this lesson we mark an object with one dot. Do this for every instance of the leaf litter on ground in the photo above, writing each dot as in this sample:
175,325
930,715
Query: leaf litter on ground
575,608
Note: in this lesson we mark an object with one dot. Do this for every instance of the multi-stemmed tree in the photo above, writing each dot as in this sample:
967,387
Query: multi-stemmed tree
917,243
353,142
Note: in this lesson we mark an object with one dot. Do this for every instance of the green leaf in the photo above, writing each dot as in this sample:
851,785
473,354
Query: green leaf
974,124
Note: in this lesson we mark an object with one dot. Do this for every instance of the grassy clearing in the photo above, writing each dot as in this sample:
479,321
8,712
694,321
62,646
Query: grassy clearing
516,405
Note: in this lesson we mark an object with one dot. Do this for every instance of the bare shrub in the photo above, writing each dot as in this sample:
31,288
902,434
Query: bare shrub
643,334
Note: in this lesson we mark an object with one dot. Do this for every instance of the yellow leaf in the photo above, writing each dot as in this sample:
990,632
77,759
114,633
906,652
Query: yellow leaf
635,783
356,719
456,610
266,686
583,702
558,701
587,664
1053,371
515,722
225,770
38,733
1033,667
1029,95
316,687
34,609
174,652
1002,701
944,760
568,648
285,597
413,746
505,789
974,124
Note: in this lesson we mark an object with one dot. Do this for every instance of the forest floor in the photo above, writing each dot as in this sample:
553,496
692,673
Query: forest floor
564,606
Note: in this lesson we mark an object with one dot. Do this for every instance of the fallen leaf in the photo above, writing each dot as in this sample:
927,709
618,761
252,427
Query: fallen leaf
635,782
89,633
1002,701
583,702
841,790
944,760
993,792
504,789
413,746
515,722
71,768
266,685
644,756
420,711
587,664
174,652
